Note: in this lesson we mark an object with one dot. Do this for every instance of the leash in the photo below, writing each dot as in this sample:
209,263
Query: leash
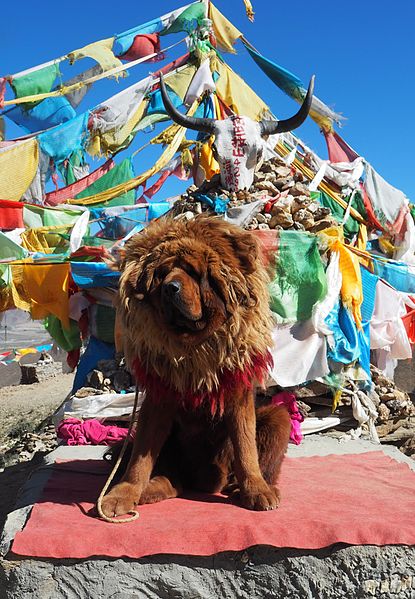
134,514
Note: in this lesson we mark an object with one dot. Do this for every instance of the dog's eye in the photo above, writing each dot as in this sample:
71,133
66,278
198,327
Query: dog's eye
190,270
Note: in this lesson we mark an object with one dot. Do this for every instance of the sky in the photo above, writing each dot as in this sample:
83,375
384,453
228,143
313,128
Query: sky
362,54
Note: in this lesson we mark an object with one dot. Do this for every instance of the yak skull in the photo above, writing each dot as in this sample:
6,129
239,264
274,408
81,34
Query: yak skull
239,140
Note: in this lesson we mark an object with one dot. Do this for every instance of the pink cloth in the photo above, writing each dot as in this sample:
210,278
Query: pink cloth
339,150
288,400
90,432
69,192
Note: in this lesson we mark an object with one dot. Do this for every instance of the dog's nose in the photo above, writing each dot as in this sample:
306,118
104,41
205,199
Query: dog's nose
172,288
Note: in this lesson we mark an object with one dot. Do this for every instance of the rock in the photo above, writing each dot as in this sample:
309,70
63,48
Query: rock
299,227
299,203
282,171
96,379
39,372
261,218
288,185
396,395
323,224
263,227
86,391
321,212
268,187
282,219
299,189
383,413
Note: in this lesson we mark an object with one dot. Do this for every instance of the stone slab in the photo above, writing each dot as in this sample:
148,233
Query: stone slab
260,572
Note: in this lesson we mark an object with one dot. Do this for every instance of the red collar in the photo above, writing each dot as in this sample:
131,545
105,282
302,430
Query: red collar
254,372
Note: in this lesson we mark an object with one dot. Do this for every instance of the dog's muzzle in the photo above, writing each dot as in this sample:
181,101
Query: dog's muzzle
174,304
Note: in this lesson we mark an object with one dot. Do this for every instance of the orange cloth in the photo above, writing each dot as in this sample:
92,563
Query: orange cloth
207,161
42,289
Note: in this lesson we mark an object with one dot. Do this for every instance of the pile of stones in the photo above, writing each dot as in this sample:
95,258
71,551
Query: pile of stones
110,376
27,445
395,424
286,200
43,369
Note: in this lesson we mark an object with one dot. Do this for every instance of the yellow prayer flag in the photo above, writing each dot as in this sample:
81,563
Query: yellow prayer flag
100,51
226,34
18,166
237,94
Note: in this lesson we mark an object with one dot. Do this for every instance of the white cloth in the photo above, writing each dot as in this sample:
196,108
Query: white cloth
77,304
105,405
318,177
405,247
201,82
35,193
383,196
78,231
323,308
299,354
387,331
115,112
300,350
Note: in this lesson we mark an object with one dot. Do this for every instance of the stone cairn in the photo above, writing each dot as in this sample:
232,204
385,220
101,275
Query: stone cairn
290,206
45,368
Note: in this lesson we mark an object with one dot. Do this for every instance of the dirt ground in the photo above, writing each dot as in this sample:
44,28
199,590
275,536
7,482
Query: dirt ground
23,408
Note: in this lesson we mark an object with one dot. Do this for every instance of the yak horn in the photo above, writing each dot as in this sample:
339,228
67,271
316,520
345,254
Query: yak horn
190,122
273,127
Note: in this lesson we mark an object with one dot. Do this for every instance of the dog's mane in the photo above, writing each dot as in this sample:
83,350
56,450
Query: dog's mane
236,258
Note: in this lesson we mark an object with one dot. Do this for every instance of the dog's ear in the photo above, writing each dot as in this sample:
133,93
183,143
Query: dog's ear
237,248
246,249
134,280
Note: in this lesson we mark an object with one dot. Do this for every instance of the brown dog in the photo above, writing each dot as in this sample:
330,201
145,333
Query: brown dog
194,305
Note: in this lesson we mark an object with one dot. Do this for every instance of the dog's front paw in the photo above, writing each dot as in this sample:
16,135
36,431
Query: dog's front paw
120,500
258,495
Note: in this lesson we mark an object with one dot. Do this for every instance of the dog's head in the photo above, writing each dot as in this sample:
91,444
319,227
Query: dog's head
187,278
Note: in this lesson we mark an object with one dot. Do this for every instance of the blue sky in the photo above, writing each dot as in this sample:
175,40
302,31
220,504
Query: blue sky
361,52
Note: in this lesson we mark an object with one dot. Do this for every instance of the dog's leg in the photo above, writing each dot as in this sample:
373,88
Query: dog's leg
273,427
154,425
160,488
255,493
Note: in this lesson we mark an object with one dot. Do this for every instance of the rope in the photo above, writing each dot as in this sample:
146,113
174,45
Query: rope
134,513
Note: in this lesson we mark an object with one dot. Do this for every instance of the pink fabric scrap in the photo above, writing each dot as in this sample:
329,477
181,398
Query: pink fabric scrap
288,400
2,91
90,432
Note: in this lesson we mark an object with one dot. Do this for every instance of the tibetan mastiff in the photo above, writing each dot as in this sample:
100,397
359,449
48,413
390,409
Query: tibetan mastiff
194,307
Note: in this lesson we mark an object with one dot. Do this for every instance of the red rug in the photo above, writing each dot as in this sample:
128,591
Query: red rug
362,499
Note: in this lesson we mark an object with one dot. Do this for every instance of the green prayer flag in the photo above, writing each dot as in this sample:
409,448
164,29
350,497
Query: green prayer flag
351,226
188,19
10,250
35,82
119,174
67,339
300,280
38,216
